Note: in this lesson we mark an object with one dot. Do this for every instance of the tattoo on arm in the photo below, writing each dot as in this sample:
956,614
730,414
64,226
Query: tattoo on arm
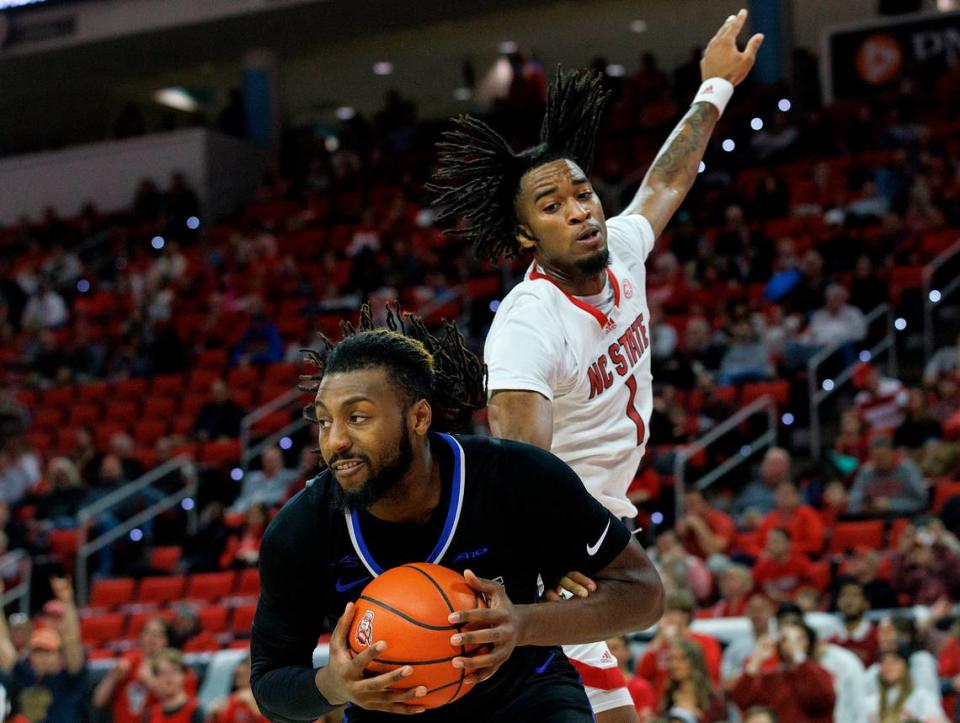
679,159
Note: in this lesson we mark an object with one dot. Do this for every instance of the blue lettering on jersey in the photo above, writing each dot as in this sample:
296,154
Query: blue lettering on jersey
346,561
463,556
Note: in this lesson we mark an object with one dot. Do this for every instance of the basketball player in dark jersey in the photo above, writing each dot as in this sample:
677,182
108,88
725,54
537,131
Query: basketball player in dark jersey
397,490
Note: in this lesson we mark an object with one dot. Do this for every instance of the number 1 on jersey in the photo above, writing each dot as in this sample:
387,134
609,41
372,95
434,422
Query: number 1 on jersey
632,412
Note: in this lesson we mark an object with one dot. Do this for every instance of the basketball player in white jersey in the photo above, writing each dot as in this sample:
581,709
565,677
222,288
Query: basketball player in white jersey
568,352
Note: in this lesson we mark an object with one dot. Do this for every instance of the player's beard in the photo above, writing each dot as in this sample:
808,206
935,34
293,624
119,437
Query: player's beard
594,264
382,481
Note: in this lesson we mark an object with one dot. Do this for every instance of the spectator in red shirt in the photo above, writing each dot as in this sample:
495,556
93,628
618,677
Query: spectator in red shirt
644,699
736,584
175,704
859,634
654,665
130,688
797,688
802,521
705,531
781,571
240,707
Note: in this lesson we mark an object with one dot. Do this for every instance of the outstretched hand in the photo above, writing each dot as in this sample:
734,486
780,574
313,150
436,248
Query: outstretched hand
343,680
722,58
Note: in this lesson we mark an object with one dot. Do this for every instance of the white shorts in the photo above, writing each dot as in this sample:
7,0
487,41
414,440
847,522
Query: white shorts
605,685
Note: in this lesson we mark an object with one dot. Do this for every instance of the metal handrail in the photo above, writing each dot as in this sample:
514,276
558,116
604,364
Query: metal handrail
87,547
21,591
928,304
686,452
263,410
256,450
819,393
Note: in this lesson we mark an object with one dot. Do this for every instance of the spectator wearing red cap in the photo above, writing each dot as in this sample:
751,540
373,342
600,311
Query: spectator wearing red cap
888,483
705,530
881,401
51,682
859,634
175,704
781,570
802,521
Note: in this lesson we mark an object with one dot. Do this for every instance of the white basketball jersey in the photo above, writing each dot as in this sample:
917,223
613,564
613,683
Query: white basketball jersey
593,366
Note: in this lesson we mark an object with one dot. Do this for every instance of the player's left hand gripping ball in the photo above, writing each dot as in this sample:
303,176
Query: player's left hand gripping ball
499,625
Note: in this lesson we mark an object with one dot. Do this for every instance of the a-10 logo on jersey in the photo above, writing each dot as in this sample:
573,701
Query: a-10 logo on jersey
622,355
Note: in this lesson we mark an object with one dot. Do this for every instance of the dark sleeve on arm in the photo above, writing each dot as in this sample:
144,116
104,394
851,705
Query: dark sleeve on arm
569,529
285,630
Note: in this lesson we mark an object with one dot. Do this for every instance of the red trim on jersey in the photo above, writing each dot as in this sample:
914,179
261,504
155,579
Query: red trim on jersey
600,678
601,318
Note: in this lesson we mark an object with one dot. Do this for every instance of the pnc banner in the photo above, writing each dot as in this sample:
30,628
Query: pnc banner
860,59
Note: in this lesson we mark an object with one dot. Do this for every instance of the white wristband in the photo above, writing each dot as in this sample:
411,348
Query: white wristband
716,91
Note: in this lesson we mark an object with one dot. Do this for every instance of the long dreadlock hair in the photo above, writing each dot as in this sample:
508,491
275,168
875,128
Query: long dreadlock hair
478,173
436,367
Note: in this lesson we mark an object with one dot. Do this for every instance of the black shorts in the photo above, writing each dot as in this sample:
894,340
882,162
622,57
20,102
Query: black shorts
555,696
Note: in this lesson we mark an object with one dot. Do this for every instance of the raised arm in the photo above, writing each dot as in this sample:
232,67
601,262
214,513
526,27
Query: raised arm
675,167
522,416
69,625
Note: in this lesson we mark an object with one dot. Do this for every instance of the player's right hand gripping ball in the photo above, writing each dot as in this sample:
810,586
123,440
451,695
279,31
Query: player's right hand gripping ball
407,607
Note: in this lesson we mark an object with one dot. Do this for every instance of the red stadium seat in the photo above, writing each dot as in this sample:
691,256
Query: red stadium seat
215,359
165,558
159,408
64,543
203,643
271,423
161,590
148,431
93,392
41,441
220,453
48,419
192,403
201,379
167,385
243,618
112,593
211,585
285,373
130,389
61,397
249,583
213,618
183,424
84,415
123,412
269,392
243,378
943,492
100,629
896,529
139,619
779,390
851,534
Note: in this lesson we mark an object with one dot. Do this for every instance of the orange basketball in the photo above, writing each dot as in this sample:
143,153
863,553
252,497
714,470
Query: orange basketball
408,608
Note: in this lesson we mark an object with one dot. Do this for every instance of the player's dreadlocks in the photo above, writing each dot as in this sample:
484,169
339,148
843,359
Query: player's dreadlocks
478,173
439,368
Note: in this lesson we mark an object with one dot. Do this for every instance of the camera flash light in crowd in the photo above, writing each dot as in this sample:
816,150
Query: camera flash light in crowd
193,223
345,113
784,104
728,144
787,419
136,534
331,143
934,296
900,324
187,503
615,70
865,355
656,518
507,47
745,450
827,385
494,305
756,123
702,167
83,286
638,26
157,242
286,443
384,67
236,474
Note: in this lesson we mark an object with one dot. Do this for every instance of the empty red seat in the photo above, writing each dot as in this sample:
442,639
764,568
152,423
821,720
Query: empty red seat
215,359
84,415
93,392
203,643
285,373
48,419
183,424
213,618
192,403
243,618
64,543
167,385
124,412
271,423
249,583
130,389
220,453
41,441
111,593
100,629
161,590
201,379
851,534
60,397
243,377
779,390
159,408
165,558
148,431
211,585
943,492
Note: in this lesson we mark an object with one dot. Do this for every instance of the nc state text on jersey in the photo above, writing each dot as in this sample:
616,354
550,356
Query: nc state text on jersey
622,355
